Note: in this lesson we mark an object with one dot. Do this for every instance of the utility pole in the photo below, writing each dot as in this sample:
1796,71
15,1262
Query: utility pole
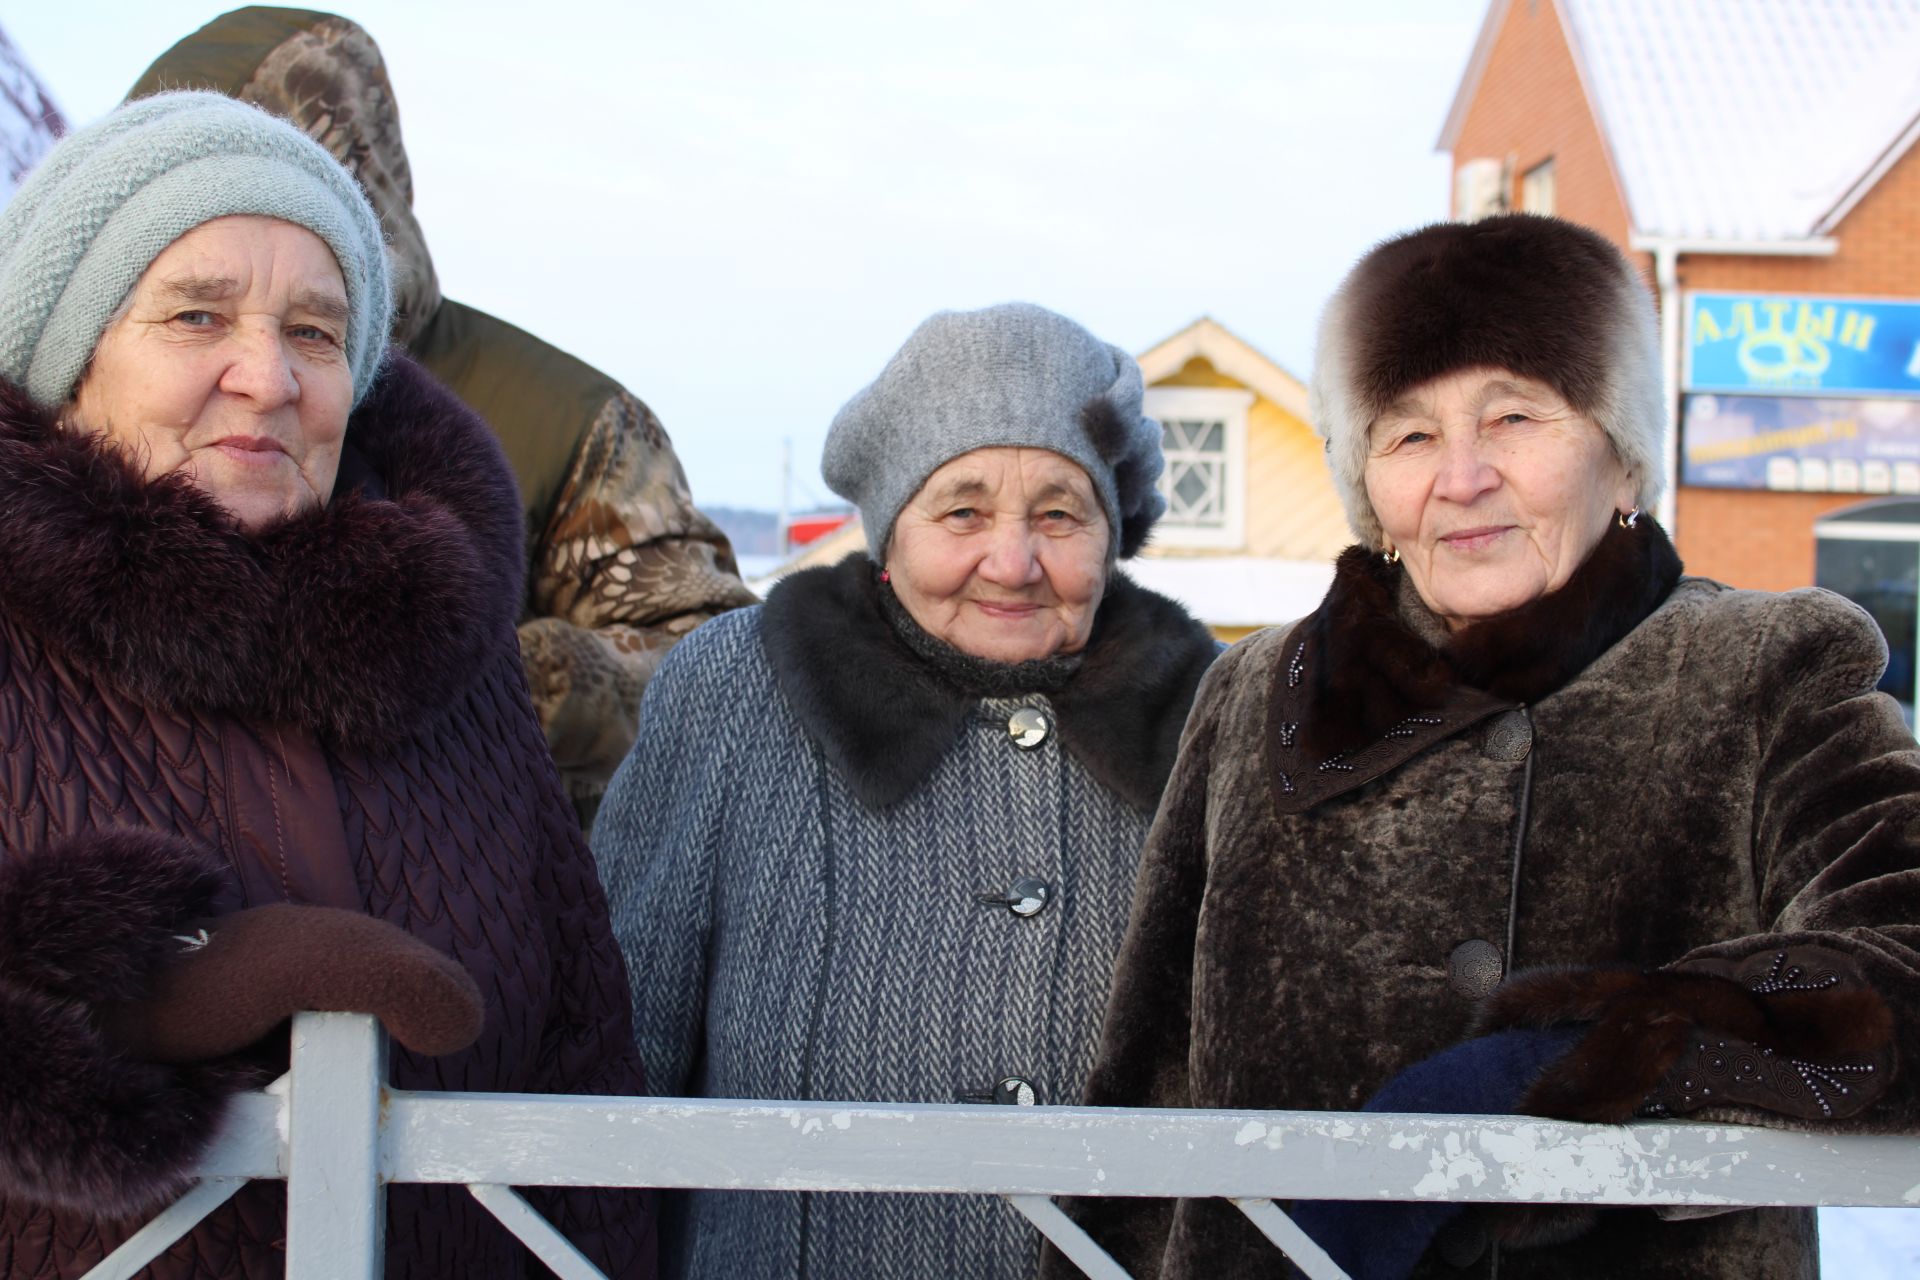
786,487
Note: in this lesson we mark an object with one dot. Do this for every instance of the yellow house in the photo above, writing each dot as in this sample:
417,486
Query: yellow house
1252,523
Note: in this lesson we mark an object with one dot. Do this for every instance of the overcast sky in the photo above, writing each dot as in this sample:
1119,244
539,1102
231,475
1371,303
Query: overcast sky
741,209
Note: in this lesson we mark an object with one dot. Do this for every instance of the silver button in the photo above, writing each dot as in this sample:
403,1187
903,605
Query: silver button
1028,897
1028,727
1016,1091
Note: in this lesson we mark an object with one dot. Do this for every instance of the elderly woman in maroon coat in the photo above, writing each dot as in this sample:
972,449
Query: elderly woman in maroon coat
267,741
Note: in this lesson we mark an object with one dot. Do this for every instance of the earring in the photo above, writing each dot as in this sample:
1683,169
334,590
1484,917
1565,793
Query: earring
1391,555
886,575
1627,519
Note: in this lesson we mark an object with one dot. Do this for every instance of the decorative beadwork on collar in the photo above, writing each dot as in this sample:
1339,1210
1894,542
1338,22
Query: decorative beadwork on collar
1300,780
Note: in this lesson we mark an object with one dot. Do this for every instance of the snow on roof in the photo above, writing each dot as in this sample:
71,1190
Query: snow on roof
1236,591
1230,354
1740,119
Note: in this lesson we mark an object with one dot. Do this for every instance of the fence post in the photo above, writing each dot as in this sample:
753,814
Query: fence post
336,1202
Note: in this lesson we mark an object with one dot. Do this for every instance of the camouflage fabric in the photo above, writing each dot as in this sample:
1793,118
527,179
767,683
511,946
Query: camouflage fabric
628,566
621,563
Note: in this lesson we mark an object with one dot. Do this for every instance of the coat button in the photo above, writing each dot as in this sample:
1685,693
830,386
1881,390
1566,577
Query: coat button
1474,968
1028,727
1508,737
1016,1091
1026,897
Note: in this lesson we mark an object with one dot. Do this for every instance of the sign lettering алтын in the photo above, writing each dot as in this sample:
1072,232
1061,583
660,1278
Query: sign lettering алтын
1802,344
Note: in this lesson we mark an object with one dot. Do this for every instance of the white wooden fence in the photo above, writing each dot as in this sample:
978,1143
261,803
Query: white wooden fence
334,1131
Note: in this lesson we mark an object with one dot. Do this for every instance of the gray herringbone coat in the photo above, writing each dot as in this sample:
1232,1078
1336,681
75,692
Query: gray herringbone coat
788,938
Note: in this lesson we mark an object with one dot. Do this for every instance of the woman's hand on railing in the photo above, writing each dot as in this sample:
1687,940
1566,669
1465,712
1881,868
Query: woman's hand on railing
233,982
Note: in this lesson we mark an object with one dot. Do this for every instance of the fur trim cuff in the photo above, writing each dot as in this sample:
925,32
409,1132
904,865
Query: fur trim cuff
82,1127
83,924
91,917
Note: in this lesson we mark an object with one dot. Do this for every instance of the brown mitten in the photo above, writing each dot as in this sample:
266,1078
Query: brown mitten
260,966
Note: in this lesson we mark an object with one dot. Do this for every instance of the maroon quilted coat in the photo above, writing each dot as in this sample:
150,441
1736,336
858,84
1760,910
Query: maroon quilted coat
332,712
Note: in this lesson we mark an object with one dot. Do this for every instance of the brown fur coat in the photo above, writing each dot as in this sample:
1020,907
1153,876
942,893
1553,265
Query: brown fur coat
1687,771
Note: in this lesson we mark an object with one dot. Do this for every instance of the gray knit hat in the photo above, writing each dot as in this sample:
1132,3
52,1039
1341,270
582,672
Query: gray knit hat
109,199
1012,375
1546,298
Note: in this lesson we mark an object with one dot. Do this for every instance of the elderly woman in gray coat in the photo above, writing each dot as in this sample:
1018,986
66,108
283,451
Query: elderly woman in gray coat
1520,803
878,837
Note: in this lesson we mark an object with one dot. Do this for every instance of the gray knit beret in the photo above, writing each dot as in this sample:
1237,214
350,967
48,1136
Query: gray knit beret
1012,375
1543,297
110,198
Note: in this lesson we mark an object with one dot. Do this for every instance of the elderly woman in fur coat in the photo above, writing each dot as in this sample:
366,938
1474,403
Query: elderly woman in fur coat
878,836
268,740
1522,800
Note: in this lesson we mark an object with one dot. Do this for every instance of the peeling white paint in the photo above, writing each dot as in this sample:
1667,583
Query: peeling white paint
1537,1161
843,1120
1250,1132
1912,1196
282,1088
1448,1167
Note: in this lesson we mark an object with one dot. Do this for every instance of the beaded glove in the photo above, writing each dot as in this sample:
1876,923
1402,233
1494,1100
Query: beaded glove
1796,1031
1718,1070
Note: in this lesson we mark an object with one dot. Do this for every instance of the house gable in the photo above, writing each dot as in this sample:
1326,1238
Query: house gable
1525,100
1291,511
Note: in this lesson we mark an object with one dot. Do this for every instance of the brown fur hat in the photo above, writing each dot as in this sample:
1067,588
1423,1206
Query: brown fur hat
1540,296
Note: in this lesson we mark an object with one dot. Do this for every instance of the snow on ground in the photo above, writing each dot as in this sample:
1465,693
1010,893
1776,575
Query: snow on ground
1870,1244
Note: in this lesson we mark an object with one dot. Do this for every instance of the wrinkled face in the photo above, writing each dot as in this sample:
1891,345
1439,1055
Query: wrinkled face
229,365
1492,489
1003,554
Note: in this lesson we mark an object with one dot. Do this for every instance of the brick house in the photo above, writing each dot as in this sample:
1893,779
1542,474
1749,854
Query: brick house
1756,158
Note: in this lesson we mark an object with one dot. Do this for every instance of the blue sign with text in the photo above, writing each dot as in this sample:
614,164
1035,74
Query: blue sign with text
1801,442
1802,344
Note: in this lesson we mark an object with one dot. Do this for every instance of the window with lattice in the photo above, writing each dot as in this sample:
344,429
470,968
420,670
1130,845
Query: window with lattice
1204,437
1196,477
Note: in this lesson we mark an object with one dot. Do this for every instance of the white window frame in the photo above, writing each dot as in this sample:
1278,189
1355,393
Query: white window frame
1221,404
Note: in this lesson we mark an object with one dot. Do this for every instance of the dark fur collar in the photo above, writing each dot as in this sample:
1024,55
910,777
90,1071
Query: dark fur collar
884,716
358,622
1372,678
